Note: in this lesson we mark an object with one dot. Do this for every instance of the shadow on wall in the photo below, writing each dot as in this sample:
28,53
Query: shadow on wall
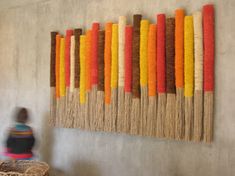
85,168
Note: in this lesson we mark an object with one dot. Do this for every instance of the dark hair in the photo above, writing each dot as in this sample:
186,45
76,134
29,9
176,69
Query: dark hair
22,115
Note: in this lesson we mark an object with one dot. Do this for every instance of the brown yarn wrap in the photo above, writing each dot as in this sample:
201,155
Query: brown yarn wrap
101,60
53,51
170,55
77,33
136,56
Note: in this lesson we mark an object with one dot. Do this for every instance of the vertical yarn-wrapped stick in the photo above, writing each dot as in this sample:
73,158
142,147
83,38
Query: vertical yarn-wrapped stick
53,80
94,75
179,73
100,92
88,80
144,29
114,76
72,95
135,110
68,120
121,70
82,79
107,72
161,74
57,74
209,54
198,76
170,79
128,78
152,81
189,75
62,100
77,33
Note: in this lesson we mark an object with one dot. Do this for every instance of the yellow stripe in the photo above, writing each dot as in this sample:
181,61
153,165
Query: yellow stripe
144,29
114,64
82,69
188,56
62,67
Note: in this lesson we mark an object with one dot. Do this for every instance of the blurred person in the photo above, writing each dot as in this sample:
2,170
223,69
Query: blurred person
20,140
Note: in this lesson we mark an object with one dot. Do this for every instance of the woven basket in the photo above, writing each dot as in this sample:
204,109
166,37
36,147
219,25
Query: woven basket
23,168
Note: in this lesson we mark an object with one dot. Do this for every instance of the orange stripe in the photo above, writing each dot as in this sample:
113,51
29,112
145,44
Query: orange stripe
57,65
88,60
107,62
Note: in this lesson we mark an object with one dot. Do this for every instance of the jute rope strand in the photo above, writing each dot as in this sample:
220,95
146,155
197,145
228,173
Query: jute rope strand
198,76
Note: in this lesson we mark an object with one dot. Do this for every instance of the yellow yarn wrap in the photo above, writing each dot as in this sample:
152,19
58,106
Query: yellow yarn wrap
198,50
82,69
144,29
62,67
188,56
114,64
121,50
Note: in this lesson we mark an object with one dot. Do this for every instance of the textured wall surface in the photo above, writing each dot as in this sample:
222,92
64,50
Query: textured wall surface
24,81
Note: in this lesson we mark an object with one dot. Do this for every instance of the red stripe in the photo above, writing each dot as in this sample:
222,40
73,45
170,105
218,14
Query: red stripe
94,63
67,56
128,58
209,47
19,156
161,61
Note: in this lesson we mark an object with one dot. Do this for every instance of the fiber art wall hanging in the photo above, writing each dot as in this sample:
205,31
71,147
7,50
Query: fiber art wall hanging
148,79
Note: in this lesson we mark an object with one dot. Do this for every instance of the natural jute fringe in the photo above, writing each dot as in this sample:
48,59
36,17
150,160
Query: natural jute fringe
208,116
93,107
170,116
68,121
127,112
198,113
82,115
57,117
87,112
107,118
62,111
114,104
135,116
144,110
53,107
76,102
188,118
99,121
121,109
152,117
179,114
71,110
161,113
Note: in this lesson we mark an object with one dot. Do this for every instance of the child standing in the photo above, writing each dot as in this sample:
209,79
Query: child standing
20,141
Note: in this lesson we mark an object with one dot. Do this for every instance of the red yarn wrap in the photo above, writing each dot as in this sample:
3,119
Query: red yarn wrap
128,58
161,56
209,47
94,57
69,32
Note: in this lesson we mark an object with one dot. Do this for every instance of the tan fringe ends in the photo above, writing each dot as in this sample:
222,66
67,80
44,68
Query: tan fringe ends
144,110
127,113
152,117
169,128
161,114
68,117
93,107
179,114
71,109
107,117
188,118
52,118
87,112
99,121
114,104
135,116
198,115
208,116
76,101
121,109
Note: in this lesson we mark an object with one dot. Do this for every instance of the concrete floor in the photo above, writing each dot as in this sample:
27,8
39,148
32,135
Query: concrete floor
24,70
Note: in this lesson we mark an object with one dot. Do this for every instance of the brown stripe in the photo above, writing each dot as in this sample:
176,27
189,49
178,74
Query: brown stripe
77,33
170,55
101,60
53,51
136,56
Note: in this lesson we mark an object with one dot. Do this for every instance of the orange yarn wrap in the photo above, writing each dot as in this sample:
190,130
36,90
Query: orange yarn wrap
88,60
57,73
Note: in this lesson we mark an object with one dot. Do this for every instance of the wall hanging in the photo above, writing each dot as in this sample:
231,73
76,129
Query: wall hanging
143,79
